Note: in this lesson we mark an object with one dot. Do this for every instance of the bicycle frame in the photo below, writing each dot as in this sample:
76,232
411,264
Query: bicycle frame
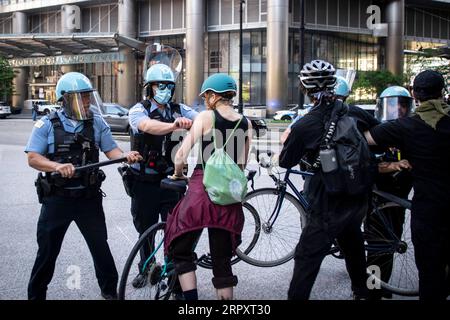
282,186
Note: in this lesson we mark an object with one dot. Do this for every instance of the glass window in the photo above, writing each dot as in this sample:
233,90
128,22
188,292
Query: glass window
44,23
178,14
224,47
310,11
263,10
236,12
95,19
444,29
322,12
227,11
332,12
409,16
154,16
85,20
113,19
252,8
213,12
104,19
166,7
354,14
436,25
52,22
343,13
427,25
144,17
234,52
58,22
364,4
214,52
419,24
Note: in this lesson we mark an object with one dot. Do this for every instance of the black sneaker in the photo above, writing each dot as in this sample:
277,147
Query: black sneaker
109,296
139,281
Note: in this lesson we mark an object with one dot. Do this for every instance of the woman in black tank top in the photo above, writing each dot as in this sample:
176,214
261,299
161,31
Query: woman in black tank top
196,211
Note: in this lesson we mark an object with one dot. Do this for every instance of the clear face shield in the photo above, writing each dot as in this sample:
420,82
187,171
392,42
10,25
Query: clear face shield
391,108
81,105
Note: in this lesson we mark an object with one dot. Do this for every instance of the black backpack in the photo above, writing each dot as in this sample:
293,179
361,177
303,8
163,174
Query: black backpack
344,155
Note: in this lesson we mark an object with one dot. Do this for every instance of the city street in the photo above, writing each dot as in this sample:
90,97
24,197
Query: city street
19,212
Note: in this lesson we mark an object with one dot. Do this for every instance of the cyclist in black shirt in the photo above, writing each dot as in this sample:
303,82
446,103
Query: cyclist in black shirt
425,137
330,217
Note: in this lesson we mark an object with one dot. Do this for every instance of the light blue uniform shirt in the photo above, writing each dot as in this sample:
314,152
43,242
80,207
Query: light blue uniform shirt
138,113
42,139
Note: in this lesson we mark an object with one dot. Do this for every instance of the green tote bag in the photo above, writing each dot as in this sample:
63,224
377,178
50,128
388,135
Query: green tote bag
224,181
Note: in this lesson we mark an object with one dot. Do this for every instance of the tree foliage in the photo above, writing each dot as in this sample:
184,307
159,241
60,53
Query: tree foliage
6,80
374,82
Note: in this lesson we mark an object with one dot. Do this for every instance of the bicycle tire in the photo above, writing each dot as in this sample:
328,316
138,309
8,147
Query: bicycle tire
159,285
249,232
404,280
266,235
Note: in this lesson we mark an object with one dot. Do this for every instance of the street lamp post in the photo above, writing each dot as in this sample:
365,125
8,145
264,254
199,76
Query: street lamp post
241,105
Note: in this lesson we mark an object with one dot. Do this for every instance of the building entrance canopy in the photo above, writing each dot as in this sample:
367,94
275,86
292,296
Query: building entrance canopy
35,45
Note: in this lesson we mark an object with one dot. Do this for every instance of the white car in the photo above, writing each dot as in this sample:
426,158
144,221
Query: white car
5,110
44,106
292,113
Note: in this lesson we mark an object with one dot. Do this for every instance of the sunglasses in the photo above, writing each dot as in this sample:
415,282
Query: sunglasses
162,86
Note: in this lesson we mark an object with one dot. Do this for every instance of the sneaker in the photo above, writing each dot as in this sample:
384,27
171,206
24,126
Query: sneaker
109,296
139,281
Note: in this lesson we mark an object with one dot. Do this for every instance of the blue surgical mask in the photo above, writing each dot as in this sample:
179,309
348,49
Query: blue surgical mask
163,96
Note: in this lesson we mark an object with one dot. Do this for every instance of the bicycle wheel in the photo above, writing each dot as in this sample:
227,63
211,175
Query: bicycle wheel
275,244
249,236
159,274
390,252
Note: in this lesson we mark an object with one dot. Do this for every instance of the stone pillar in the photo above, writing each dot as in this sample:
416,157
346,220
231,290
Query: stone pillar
195,36
395,18
277,54
19,26
126,74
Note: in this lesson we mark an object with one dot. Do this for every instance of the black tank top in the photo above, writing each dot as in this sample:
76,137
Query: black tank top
235,146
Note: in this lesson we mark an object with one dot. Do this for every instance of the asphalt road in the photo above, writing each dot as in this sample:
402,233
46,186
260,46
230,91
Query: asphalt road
19,212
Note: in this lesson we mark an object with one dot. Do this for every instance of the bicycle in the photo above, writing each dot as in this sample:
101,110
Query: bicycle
161,277
283,215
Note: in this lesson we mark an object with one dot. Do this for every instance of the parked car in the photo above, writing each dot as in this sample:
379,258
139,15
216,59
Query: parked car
5,110
292,112
115,116
259,125
368,107
44,106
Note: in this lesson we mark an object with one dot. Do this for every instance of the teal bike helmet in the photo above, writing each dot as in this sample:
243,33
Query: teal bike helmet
219,83
342,88
77,95
394,102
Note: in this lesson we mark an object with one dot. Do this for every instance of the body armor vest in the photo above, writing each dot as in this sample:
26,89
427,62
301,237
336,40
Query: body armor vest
156,150
76,148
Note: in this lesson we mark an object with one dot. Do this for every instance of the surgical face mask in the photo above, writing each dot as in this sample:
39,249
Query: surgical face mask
162,96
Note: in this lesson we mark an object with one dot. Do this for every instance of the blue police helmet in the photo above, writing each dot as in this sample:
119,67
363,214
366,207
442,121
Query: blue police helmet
73,82
342,88
159,73
395,91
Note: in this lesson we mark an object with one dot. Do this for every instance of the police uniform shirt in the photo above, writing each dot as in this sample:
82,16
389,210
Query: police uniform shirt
42,138
138,113
428,152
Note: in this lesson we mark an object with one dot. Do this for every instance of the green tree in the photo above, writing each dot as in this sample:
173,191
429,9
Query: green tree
6,80
374,82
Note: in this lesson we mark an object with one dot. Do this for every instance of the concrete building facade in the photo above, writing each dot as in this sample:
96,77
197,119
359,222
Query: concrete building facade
106,41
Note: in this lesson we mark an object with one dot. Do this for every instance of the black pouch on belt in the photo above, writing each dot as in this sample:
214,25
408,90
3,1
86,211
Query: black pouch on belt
128,178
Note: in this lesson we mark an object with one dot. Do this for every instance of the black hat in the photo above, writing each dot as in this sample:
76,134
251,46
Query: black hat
428,85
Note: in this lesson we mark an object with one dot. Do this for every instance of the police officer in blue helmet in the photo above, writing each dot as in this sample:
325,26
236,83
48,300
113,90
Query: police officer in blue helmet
157,125
60,142
394,102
